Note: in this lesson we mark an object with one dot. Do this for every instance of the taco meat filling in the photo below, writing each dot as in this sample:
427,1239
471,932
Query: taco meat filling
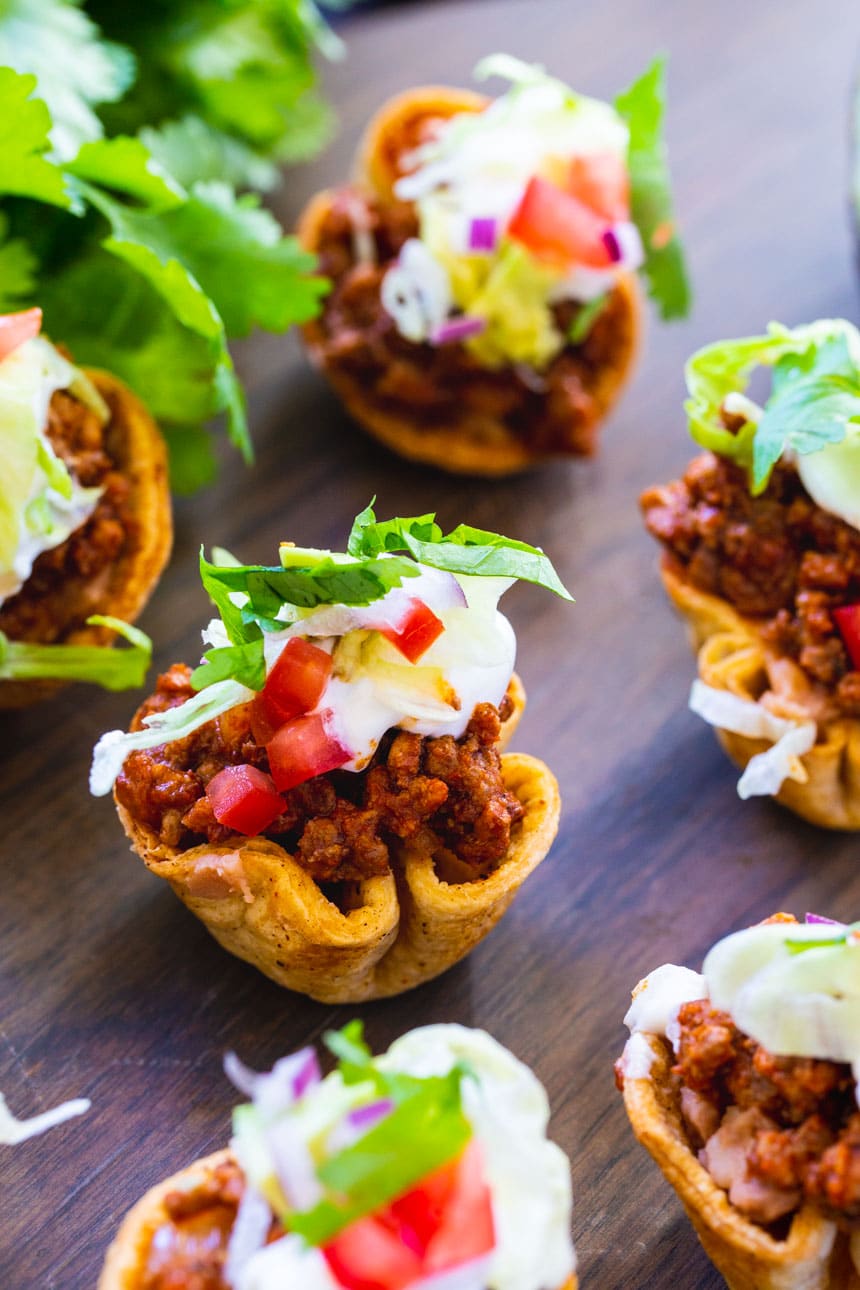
339,826
189,1250
778,557
67,583
431,385
775,1132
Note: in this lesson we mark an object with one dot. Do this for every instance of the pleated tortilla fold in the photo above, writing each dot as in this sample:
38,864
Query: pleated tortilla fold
813,1256
390,933
123,590
483,444
126,1258
732,656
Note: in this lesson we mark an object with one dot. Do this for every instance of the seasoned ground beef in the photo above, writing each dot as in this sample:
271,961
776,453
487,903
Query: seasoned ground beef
61,591
778,557
188,1251
340,825
796,1118
552,411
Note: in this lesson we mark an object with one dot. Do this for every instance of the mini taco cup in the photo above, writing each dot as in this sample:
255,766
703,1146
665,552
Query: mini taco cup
481,442
389,934
141,455
126,1258
732,656
814,1255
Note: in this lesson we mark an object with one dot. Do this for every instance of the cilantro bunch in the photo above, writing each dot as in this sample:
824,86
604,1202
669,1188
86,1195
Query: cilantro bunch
126,133
814,397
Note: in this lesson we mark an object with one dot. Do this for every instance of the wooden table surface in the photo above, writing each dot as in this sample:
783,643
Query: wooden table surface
110,989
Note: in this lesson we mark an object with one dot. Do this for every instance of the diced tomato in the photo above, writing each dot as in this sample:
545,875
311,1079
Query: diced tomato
602,182
445,1221
557,226
245,799
370,1254
416,632
848,621
294,685
16,328
303,748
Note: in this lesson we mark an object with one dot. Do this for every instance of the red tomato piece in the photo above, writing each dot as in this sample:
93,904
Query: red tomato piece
17,328
602,182
370,1254
465,1230
294,685
848,621
304,748
416,632
245,799
557,226
446,1220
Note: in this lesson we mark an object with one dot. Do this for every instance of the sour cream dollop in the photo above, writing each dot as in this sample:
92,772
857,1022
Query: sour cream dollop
529,1176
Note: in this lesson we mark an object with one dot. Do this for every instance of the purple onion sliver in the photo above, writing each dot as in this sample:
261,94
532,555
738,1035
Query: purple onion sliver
309,1074
364,1117
250,1229
817,918
240,1075
482,233
457,329
612,244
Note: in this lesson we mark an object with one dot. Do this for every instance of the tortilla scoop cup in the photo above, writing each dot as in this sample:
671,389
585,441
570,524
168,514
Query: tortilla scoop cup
482,444
813,1256
126,1258
732,656
122,590
388,933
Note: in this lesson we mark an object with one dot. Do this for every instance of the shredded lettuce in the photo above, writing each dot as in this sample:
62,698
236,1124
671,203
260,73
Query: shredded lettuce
161,728
643,107
815,394
113,669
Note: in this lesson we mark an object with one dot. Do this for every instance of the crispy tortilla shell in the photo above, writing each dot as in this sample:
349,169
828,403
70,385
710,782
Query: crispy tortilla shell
484,445
813,1256
126,1257
142,457
387,933
732,656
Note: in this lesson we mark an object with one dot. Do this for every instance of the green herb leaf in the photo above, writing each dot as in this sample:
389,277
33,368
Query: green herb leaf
25,124
243,663
221,593
57,43
464,550
18,266
643,108
425,1130
192,149
813,398
349,1047
126,166
113,669
585,319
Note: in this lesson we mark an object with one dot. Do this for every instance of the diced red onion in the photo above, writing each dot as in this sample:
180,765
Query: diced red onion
277,1089
456,329
357,1122
612,244
818,918
294,1164
249,1233
483,233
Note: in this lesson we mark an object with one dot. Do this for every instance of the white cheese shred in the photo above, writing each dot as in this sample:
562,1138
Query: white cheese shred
13,1130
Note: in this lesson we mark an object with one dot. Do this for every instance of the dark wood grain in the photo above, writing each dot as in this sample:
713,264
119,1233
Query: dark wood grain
111,989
